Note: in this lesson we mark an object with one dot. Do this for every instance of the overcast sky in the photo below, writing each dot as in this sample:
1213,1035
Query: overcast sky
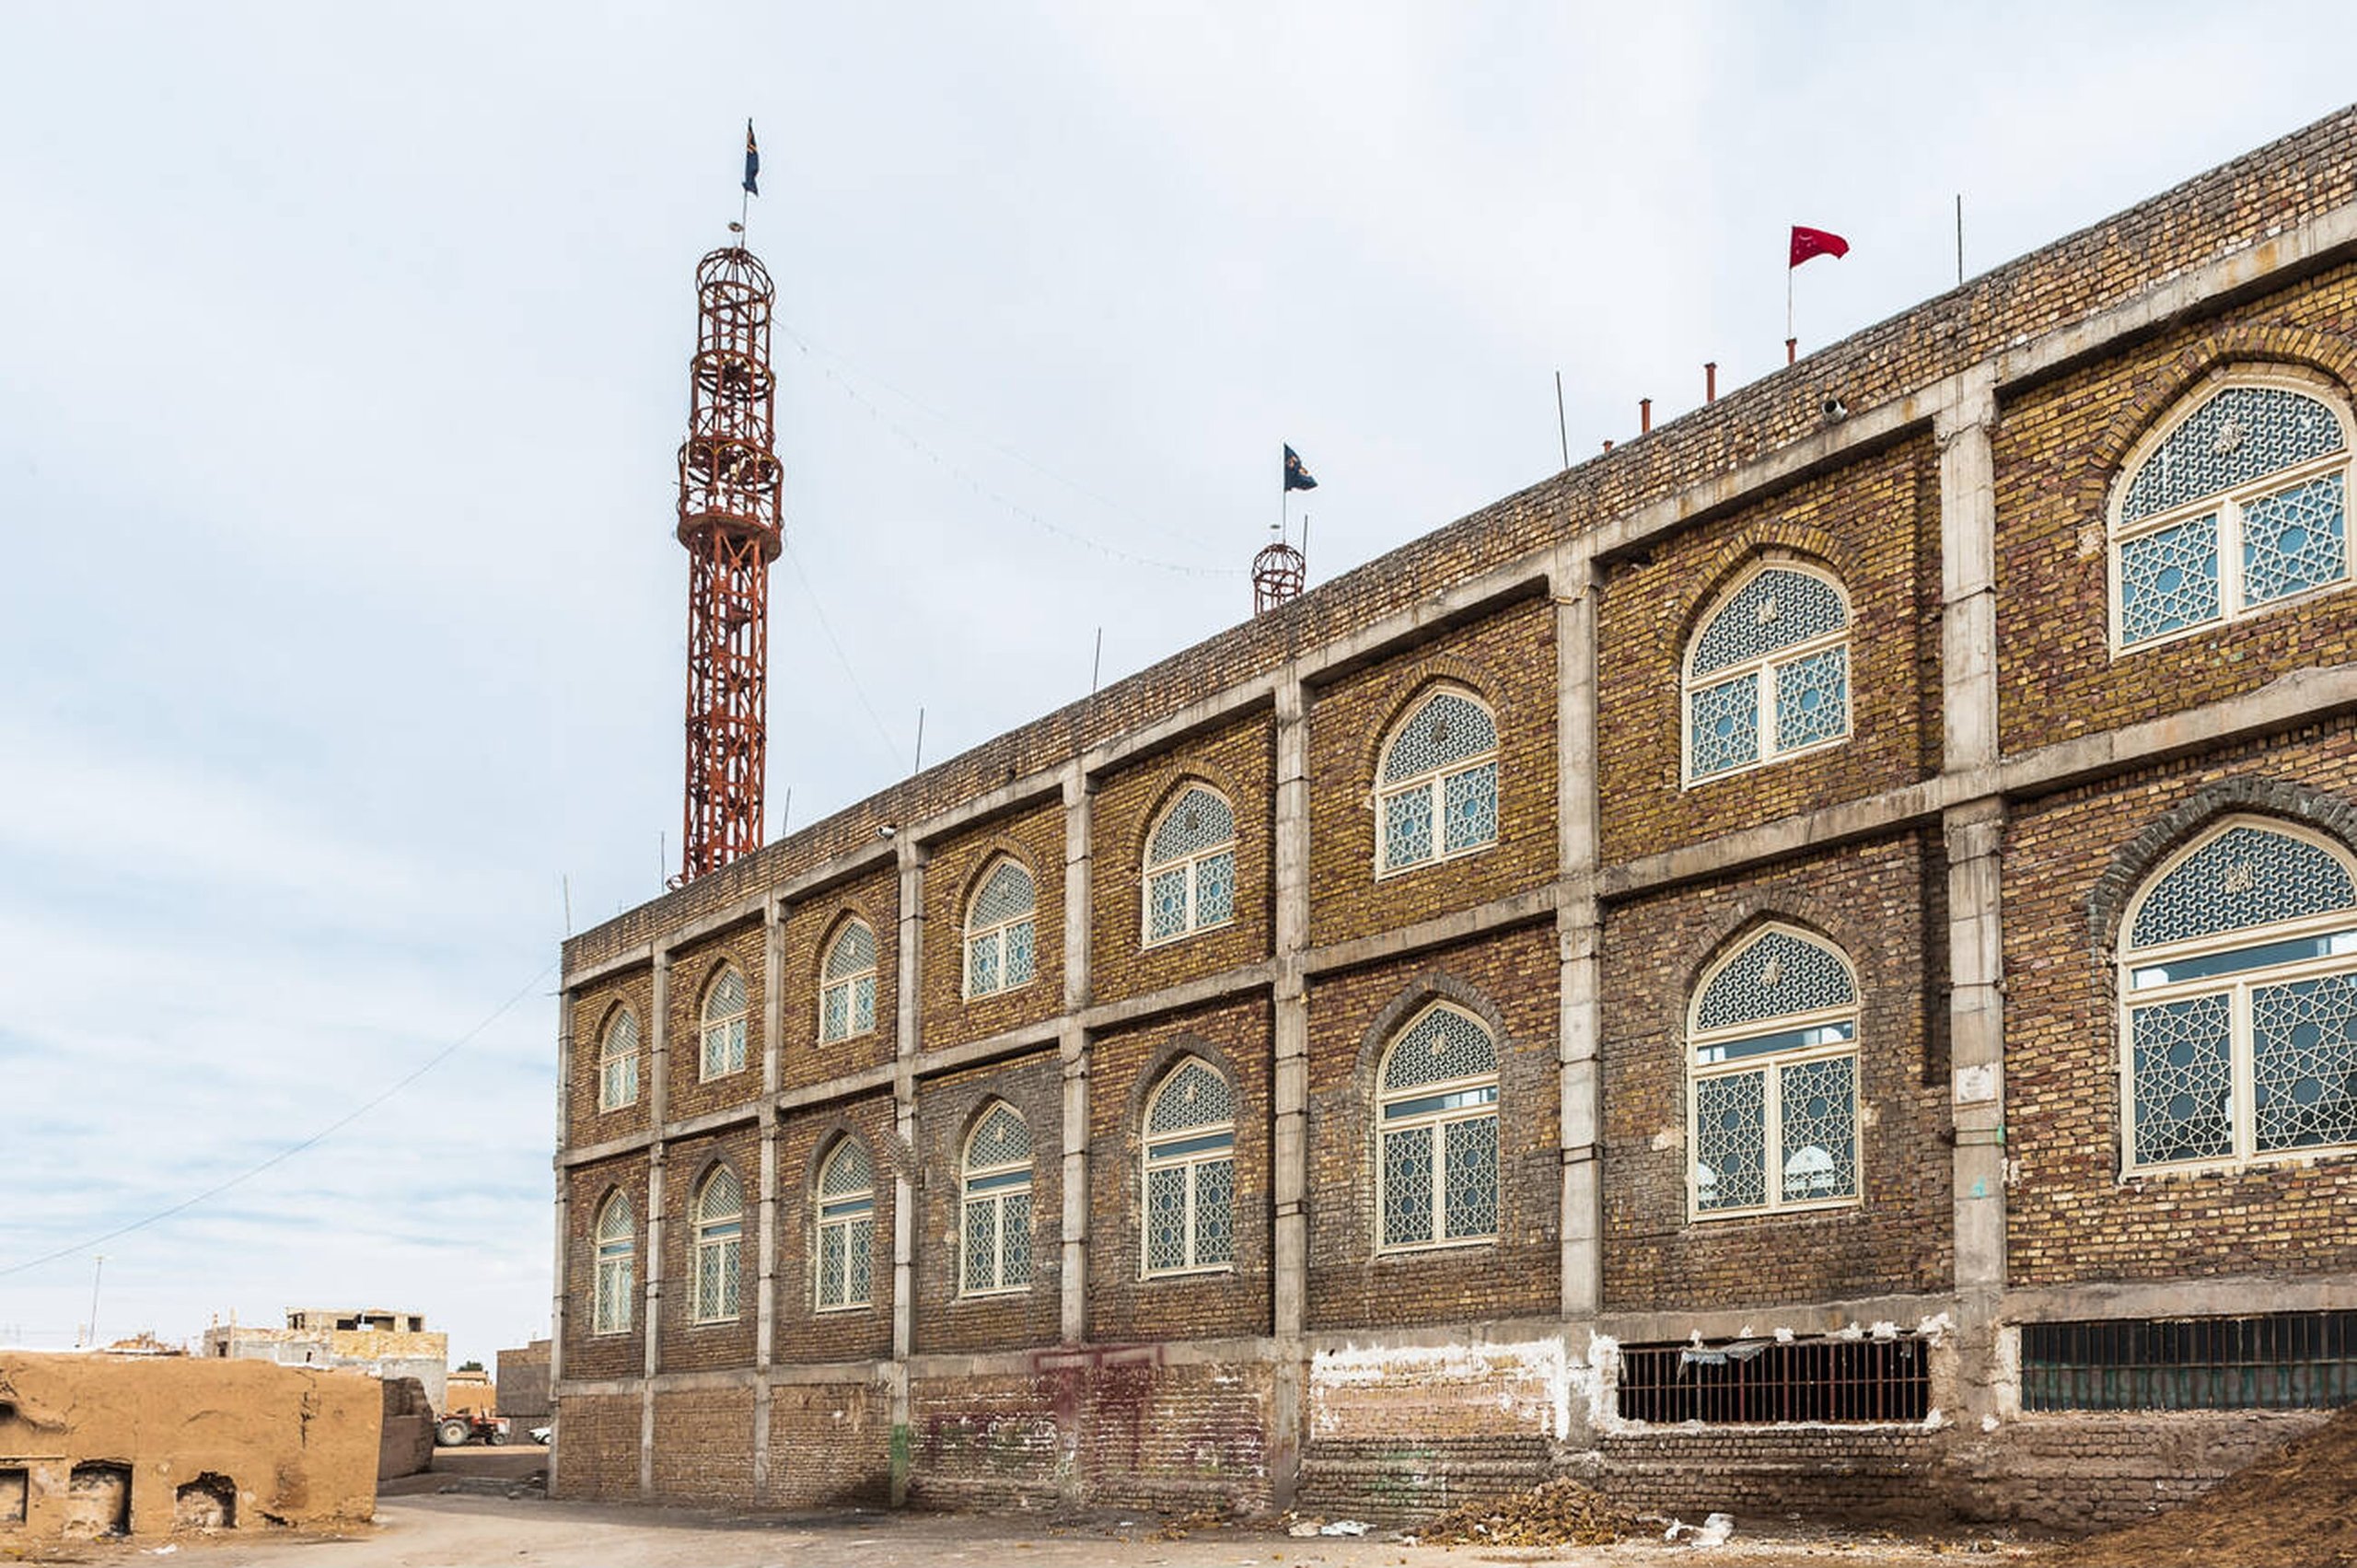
342,363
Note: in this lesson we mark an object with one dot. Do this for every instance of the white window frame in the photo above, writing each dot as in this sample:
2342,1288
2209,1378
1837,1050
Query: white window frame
2242,1047
1189,1151
1840,1027
614,1262
1192,865
719,1240
989,1187
1762,669
618,1069
1434,782
849,986
840,1215
2229,506
1485,1088
996,933
725,1031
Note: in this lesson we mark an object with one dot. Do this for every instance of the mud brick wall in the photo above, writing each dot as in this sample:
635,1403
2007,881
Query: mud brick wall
984,1441
948,1111
1845,1472
1125,1068
2058,451
1875,525
1506,660
593,1010
2070,1216
587,1353
2072,1472
1239,762
952,879
1176,1438
688,1345
810,928
831,1445
1509,978
693,969
1884,904
807,1140
703,1444
597,1447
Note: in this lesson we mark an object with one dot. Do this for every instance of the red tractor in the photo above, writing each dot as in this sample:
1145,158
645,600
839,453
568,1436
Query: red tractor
460,1428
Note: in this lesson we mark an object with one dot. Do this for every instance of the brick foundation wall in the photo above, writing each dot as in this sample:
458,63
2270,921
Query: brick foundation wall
703,1444
831,1445
597,1447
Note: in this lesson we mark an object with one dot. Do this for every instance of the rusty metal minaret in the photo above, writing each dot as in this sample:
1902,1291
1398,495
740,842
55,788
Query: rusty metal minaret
729,521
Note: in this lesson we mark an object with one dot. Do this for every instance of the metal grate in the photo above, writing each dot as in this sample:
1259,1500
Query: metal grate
2244,877
1006,896
1781,973
1775,610
854,952
1444,1045
1759,1382
2242,434
2280,1361
1448,730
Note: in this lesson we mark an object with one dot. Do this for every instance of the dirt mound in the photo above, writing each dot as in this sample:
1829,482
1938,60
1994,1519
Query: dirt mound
2296,1508
1556,1513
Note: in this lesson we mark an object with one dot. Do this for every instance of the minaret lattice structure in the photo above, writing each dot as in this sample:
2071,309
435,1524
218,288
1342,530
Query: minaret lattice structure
729,521
1278,574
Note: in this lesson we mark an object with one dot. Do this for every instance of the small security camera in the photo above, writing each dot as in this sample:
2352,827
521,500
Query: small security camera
1836,411
887,830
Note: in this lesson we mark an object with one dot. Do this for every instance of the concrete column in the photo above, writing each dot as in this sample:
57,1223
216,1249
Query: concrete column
659,1095
1289,1175
562,1271
909,970
1073,1051
765,1246
1578,925
1974,835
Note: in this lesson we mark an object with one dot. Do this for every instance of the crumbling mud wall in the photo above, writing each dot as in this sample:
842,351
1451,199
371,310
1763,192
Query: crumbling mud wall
145,1446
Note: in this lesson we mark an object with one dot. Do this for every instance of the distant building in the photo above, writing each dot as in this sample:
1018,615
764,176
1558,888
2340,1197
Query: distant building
383,1344
524,1383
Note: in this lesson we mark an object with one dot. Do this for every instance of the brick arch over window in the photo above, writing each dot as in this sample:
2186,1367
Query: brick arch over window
1775,542
2208,362
1130,844
1158,1065
815,971
2333,816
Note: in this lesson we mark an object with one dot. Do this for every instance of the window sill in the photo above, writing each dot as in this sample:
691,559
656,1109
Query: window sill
843,1310
1207,1272
1779,1210
1002,991
1423,1248
999,1292
2120,650
1384,873
2252,1165
1703,781
1148,944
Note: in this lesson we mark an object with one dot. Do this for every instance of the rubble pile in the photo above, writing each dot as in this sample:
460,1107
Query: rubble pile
1556,1513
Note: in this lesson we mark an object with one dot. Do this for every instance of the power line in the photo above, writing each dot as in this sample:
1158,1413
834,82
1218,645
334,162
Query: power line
819,612
283,1156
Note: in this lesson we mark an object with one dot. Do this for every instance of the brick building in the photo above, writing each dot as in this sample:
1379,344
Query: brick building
1810,959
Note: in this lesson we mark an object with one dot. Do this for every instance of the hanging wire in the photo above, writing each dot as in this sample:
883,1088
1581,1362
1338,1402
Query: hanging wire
819,614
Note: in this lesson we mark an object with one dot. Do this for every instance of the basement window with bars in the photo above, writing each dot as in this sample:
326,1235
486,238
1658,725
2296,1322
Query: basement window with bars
2278,1361
1764,1382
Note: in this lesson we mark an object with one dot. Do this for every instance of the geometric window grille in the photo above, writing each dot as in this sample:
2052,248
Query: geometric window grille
847,996
611,1291
846,1272
1190,1222
1437,1133
1436,796
724,1024
719,1247
1191,866
994,1216
999,934
618,1062
2239,1004
1769,673
1772,1080
2238,503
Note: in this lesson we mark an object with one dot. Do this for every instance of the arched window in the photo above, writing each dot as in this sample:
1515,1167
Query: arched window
999,938
723,1022
846,1272
611,1291
618,1062
719,1246
1772,1078
847,988
2238,966
1191,866
995,1213
1189,1221
1438,1133
1769,673
1436,795
2238,503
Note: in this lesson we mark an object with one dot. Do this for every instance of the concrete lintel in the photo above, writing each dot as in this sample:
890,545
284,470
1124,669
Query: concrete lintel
1015,793
1516,909
637,955
1904,1311
867,1080
1044,1035
745,1111
1459,601
2224,1296
2300,697
1433,1336
1026,1362
696,1382
805,884
1171,998
591,1153
593,1388
1206,714
805,1374
1863,818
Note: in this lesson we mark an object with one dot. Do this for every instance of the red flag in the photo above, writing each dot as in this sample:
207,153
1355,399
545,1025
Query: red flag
1808,242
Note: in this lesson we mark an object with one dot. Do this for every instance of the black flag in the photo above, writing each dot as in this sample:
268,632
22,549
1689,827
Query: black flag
752,162
1296,477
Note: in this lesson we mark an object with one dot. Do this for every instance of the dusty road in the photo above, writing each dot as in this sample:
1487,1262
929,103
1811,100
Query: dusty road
440,1530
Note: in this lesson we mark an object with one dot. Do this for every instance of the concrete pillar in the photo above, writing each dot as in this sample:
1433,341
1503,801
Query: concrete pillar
1974,835
1578,925
658,1096
1072,1051
765,1245
910,972
562,1273
1289,1178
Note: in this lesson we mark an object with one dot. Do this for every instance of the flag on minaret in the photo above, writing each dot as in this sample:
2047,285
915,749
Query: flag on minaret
1808,242
1296,477
753,165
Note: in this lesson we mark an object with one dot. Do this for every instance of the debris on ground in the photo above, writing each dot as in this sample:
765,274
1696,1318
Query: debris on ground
1556,1513
1343,1527
2287,1509
1186,1524
1714,1531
